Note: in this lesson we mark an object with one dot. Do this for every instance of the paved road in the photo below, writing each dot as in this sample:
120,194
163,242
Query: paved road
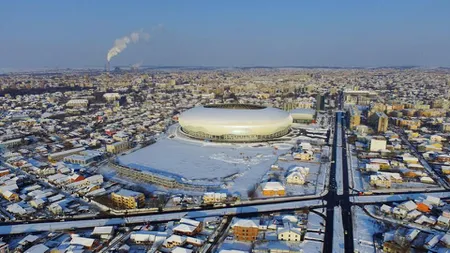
338,196
345,200
331,200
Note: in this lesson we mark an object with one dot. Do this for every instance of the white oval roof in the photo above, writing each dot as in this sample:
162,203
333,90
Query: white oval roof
219,121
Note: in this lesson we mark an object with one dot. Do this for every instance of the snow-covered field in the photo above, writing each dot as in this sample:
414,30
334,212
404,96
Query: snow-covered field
364,228
236,166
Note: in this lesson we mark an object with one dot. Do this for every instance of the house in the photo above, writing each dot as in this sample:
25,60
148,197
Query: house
181,250
95,179
82,241
10,196
295,177
445,240
37,203
38,248
408,206
412,234
245,230
413,215
380,181
435,201
372,167
443,221
194,241
393,176
289,233
174,240
306,155
214,197
270,189
385,209
20,208
426,180
105,232
4,172
377,144
143,237
424,219
392,247
431,241
56,208
423,208
446,213
384,164
399,213
409,159
188,227
445,170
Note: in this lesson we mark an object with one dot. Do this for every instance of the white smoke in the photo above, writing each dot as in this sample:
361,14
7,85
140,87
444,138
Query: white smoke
122,43
137,65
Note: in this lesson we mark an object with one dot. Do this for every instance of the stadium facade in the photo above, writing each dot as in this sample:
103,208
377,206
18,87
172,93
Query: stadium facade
235,123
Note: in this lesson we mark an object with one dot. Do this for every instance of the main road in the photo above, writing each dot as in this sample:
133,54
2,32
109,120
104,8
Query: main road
338,196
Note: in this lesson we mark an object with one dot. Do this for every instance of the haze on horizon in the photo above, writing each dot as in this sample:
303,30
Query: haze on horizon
64,34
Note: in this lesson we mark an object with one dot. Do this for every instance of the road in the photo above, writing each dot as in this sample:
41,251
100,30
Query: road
331,197
157,218
338,197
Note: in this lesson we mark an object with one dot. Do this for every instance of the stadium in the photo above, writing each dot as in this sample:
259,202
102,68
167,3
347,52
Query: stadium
235,123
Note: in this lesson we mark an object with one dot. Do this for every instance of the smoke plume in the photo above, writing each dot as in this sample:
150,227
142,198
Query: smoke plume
122,43
137,65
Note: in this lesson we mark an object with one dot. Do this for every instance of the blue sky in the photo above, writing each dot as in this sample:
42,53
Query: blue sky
226,33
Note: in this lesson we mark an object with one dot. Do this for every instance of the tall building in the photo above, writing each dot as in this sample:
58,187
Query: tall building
320,102
379,122
353,117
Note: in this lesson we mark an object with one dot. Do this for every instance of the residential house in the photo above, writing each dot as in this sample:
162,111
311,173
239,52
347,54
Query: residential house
245,230
188,227
271,189
289,233
214,197
128,199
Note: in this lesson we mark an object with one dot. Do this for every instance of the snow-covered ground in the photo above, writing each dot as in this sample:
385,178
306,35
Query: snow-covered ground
338,231
364,228
235,166
315,223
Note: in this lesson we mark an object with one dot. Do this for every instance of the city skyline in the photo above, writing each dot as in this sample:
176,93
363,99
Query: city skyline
51,34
